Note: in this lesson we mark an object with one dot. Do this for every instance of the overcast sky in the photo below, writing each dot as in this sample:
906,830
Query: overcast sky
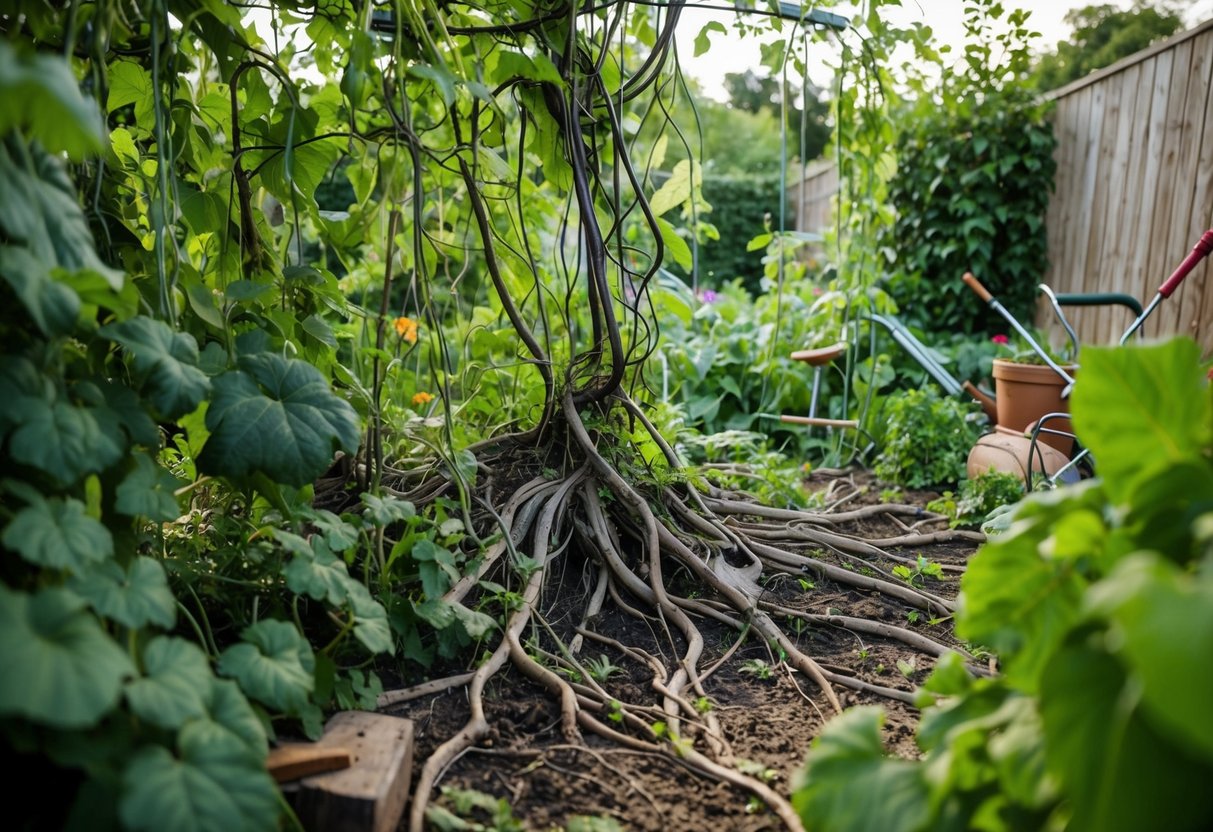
733,54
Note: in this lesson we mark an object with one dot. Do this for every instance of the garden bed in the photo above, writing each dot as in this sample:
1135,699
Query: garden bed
768,713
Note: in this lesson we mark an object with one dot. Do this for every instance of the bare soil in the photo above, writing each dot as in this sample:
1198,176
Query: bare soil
768,712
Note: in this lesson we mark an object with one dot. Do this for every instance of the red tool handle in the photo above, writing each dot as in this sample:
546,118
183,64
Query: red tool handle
1199,252
982,292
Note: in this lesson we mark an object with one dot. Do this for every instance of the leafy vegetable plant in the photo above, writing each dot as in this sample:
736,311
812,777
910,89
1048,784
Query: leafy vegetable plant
1098,601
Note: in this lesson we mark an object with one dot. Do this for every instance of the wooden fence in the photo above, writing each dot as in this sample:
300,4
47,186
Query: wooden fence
1134,188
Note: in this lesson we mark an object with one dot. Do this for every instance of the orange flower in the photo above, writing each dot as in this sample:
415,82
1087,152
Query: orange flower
422,398
406,328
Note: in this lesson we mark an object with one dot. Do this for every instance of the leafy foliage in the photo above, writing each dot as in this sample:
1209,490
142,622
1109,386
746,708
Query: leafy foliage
1098,601
927,438
1103,34
975,171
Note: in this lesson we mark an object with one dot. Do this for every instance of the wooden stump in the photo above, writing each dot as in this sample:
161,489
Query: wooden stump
370,795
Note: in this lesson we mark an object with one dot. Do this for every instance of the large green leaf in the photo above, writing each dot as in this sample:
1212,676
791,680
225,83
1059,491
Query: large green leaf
215,783
316,573
135,597
61,439
228,707
39,95
279,417
147,491
38,208
848,783
1161,622
57,667
274,665
1141,410
167,360
1108,756
52,306
1021,594
58,534
371,625
175,685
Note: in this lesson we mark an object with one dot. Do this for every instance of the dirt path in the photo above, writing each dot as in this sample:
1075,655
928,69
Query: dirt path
767,712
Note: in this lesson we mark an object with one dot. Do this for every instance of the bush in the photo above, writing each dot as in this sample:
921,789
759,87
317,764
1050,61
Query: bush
927,439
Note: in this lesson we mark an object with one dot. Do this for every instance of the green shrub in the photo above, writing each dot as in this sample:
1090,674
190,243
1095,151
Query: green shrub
927,438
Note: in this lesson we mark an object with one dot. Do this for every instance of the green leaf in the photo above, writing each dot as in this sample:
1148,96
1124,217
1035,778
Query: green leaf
62,440
1020,595
274,665
58,534
1142,409
39,95
675,245
130,83
318,574
166,360
1161,620
383,511
52,306
229,708
371,625
702,42
134,597
441,78
147,491
846,767
677,189
175,683
39,209
60,668
1107,755
277,416
215,783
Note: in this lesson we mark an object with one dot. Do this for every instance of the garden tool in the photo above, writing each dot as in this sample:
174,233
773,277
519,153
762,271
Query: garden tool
1199,251
984,293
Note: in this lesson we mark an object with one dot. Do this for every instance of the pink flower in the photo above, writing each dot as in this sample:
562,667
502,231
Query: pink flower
1001,340
709,296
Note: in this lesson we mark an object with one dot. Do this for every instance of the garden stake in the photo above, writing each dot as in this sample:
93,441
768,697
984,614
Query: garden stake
1199,251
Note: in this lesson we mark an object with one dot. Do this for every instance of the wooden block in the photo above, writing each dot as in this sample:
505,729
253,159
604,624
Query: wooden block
370,795
295,760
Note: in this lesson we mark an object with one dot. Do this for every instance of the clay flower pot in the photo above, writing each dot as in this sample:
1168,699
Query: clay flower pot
1025,392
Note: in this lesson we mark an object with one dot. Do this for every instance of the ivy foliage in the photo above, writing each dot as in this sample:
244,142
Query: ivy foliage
1098,601
974,175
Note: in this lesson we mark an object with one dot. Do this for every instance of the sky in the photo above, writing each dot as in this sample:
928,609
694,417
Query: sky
733,54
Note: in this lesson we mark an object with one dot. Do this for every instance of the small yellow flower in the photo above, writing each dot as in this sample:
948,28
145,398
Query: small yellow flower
406,328
422,398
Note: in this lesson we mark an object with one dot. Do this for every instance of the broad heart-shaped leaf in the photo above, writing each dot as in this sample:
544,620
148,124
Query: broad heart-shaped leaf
370,620
1141,410
276,416
39,94
274,665
1161,621
318,574
215,783
147,491
1021,594
1108,755
57,667
61,439
848,783
52,306
229,708
58,534
175,684
168,361
134,597
38,207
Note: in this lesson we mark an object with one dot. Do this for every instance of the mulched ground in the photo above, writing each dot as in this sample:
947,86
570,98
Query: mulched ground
769,719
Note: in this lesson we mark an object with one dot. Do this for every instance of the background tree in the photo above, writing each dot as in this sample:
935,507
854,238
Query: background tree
1103,34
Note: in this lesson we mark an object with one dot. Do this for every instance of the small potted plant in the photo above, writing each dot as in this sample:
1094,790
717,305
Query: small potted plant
1026,388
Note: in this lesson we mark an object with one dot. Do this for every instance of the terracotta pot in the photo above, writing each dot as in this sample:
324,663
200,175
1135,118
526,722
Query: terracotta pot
1009,451
1025,392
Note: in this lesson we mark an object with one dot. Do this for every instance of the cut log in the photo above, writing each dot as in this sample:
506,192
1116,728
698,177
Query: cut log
369,796
290,762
